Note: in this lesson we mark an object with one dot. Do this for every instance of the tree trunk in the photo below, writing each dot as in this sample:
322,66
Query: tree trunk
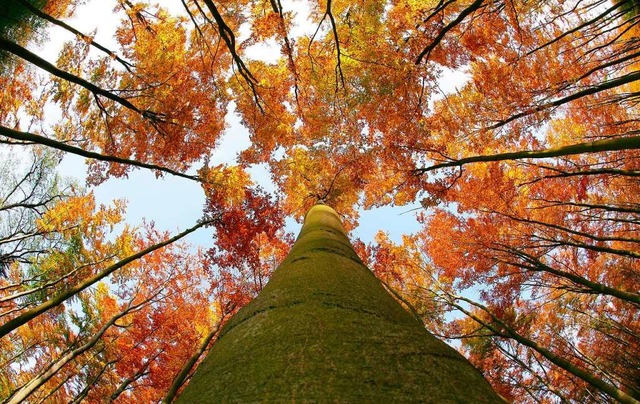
325,329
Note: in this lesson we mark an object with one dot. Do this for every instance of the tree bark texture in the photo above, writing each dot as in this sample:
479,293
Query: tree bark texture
325,329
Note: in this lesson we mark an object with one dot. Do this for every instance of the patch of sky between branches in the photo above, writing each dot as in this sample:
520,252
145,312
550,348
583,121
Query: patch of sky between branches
174,204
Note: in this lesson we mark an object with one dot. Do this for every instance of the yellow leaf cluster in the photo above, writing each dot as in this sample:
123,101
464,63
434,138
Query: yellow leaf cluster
227,184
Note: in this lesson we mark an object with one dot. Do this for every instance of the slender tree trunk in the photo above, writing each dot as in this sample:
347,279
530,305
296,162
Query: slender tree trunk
508,332
25,391
325,329
58,299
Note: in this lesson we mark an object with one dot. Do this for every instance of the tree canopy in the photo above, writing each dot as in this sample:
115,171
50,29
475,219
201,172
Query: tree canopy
526,177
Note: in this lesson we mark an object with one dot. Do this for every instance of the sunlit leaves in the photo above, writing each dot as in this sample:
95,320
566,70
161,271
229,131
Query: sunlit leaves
344,115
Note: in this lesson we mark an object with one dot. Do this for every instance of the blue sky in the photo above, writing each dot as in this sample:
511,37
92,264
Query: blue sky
173,203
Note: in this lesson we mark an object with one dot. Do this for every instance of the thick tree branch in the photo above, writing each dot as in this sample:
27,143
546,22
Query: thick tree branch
277,8
337,41
436,41
14,134
60,298
607,85
623,143
537,266
588,206
508,332
570,231
442,4
615,251
599,171
576,29
230,40
74,31
52,282
30,57
29,388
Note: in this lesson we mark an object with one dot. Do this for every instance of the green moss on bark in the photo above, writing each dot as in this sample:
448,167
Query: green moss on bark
325,329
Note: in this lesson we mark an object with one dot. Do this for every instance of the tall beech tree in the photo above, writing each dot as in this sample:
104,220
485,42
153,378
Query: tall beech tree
509,127
324,328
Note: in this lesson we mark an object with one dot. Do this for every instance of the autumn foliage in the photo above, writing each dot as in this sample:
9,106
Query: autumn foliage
511,129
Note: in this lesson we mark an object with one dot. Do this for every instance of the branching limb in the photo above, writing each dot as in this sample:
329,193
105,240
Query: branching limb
594,287
501,328
607,85
30,137
588,206
60,298
230,40
83,394
62,24
577,28
334,29
624,143
277,8
34,384
52,282
19,51
436,41
437,9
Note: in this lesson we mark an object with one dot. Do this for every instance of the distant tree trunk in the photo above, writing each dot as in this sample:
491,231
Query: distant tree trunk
325,329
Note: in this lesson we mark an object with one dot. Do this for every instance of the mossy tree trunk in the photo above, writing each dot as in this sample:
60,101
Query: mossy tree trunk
325,329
